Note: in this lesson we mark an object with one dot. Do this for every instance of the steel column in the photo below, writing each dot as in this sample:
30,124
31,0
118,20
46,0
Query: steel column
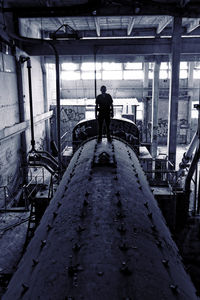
155,98
174,90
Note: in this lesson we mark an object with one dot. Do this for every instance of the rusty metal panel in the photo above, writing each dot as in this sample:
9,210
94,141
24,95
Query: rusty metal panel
102,236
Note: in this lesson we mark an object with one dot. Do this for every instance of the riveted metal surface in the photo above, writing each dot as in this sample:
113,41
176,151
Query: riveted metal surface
108,240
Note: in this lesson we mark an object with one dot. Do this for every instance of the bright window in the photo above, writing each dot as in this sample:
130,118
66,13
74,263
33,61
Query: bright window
112,75
134,75
196,74
69,66
70,75
112,66
133,66
90,75
183,74
90,66
194,112
183,65
164,74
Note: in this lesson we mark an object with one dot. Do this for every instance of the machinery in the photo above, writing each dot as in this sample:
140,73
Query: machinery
102,235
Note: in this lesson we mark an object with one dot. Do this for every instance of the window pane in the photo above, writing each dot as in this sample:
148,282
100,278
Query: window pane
196,74
164,66
150,74
70,75
183,74
134,74
90,66
69,66
135,66
111,75
183,65
112,66
164,74
90,75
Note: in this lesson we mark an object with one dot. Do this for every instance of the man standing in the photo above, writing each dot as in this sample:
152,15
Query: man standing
104,108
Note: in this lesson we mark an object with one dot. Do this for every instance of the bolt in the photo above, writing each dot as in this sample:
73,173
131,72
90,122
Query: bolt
43,243
35,262
140,187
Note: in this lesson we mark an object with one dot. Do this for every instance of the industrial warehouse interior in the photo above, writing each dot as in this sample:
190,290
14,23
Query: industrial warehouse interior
85,216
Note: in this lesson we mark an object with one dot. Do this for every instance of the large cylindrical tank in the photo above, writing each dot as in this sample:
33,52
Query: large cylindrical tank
102,237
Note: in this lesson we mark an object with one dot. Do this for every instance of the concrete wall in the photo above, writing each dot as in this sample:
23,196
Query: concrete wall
10,145
9,115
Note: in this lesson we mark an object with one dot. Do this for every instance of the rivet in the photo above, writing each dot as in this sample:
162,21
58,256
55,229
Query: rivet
136,175
43,243
49,227
25,287
165,262
125,269
76,247
119,203
87,194
153,227
85,202
100,273
80,229
59,204
35,262
115,178
159,244
117,193
123,247
140,187
121,228
55,214
174,288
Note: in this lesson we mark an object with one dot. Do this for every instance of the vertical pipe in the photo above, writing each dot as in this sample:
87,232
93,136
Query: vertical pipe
22,119
155,98
95,74
190,98
174,91
31,104
145,101
58,109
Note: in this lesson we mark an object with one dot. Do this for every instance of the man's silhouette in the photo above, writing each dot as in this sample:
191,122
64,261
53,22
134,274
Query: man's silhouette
104,111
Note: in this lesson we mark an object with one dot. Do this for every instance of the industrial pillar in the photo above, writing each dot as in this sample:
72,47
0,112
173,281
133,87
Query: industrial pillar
155,98
190,98
174,91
